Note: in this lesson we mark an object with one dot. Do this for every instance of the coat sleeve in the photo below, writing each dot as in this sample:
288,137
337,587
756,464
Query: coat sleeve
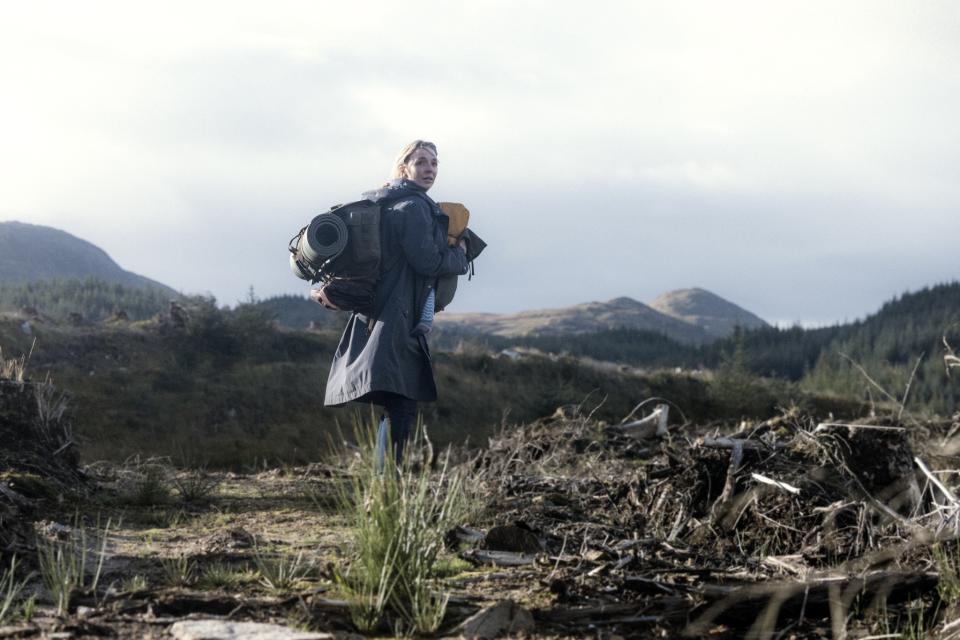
420,247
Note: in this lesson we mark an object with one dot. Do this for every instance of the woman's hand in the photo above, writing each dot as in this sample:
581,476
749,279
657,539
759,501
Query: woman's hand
462,244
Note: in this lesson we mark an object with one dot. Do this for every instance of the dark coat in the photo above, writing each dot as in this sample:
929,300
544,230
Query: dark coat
377,354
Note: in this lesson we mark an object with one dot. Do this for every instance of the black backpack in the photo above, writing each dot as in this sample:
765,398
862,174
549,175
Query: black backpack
341,249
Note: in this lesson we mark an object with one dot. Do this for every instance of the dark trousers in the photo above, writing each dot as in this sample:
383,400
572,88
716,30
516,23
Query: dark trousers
402,412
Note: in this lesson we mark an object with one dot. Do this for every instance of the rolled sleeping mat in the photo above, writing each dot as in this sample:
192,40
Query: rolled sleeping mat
302,271
325,239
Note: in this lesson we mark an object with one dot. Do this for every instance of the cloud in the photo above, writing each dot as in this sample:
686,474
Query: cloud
777,153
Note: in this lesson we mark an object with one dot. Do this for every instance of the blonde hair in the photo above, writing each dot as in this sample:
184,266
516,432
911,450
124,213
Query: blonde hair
404,156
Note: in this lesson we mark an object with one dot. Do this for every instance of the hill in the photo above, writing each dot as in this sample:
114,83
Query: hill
32,253
710,312
578,319
691,316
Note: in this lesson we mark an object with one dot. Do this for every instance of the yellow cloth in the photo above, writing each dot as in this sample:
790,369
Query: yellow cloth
459,217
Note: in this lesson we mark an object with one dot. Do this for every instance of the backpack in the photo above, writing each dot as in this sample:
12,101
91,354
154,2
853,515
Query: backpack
341,249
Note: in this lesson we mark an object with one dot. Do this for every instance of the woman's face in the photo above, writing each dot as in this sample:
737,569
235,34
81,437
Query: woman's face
421,168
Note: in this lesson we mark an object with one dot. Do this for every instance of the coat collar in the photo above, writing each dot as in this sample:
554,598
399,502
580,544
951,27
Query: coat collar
400,188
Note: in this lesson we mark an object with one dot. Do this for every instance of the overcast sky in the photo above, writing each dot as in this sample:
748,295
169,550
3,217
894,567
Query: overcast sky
801,159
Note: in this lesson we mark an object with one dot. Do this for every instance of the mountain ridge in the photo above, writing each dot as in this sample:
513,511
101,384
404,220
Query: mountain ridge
715,318
715,315
64,256
32,253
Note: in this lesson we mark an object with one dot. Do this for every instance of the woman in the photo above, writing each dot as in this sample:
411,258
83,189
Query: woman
381,358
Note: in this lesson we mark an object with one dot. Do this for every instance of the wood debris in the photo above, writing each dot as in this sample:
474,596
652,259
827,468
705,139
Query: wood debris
691,530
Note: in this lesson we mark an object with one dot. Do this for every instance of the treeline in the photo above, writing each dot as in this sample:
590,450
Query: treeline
299,312
900,345
91,298
231,387
770,352
228,387
906,333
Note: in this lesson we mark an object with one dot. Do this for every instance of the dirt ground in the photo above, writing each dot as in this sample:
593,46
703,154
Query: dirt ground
782,529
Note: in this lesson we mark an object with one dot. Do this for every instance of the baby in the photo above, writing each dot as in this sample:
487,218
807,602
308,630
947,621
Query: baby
459,216
426,316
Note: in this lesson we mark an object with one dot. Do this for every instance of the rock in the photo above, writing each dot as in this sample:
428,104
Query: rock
226,630
504,618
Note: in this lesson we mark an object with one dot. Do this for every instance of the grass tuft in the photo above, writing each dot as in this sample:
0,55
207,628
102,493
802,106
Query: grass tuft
145,483
135,583
399,517
947,558
220,575
195,486
65,566
281,573
10,590
178,571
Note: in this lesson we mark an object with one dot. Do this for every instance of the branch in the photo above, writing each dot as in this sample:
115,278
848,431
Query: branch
867,376
906,391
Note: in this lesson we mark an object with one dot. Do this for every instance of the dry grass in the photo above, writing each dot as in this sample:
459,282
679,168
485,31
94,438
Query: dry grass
14,369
